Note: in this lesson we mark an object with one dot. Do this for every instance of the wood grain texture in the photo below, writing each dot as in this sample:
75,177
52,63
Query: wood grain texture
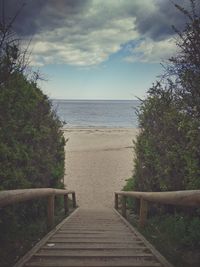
9,197
184,198
94,238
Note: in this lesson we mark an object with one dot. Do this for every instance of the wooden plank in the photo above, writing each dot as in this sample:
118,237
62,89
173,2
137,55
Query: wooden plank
92,262
97,237
95,246
91,253
72,240
115,229
66,204
143,212
116,202
74,199
89,232
50,212
124,206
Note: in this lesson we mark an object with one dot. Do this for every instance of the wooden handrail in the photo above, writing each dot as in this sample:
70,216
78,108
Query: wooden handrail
9,197
183,198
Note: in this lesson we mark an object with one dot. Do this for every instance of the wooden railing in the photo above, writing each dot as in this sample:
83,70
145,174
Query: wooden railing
9,197
183,198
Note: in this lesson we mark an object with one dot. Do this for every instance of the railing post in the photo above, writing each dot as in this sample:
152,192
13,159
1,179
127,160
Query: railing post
50,212
116,201
66,202
124,206
143,212
74,199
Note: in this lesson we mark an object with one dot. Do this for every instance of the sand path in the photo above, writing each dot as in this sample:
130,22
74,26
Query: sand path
98,161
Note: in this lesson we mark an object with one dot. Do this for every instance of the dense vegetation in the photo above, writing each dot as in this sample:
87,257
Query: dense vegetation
168,145
31,146
31,142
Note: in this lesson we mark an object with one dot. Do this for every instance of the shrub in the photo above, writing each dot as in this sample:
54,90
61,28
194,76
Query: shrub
31,147
168,146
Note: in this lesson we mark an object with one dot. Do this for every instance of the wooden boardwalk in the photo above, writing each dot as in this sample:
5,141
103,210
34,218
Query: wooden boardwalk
93,238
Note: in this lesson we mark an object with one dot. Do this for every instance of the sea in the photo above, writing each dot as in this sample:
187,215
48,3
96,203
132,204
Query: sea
97,113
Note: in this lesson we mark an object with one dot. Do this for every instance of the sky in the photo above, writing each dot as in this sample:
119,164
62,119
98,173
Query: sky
97,49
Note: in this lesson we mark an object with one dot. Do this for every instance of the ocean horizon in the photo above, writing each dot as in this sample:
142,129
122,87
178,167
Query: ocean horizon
97,113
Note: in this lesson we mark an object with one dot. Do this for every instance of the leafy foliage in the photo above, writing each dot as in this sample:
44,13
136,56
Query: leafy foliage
168,146
31,147
177,237
31,141
129,187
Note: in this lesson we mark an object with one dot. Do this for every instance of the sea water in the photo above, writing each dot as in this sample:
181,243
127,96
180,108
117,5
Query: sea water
97,113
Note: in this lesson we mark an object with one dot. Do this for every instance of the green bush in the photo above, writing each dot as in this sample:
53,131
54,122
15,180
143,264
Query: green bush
129,187
31,140
167,147
174,235
31,155
31,148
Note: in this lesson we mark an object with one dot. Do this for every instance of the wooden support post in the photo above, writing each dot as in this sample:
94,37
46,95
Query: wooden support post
66,204
50,212
74,199
124,206
116,202
143,212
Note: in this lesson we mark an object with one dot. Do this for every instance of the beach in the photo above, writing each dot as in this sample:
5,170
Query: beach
98,162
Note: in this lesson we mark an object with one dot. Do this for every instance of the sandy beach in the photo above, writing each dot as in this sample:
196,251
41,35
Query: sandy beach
98,161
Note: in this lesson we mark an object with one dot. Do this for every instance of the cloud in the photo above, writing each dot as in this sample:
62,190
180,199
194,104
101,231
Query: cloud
150,51
43,15
90,48
157,23
86,33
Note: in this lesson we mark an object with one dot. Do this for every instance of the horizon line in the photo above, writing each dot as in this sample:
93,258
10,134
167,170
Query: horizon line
84,99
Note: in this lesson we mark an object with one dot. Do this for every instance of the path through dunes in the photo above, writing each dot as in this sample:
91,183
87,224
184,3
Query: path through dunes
97,163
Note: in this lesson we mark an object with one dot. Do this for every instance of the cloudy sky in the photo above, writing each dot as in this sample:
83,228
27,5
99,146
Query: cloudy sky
97,49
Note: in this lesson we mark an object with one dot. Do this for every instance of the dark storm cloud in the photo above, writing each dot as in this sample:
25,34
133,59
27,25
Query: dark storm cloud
40,15
158,24
87,32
